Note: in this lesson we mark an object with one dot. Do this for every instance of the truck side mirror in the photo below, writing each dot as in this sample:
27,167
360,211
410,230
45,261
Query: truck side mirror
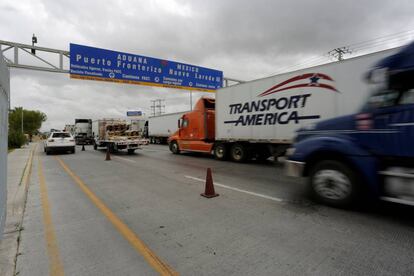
179,122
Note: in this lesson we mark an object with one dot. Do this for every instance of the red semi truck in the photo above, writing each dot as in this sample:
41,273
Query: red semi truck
196,129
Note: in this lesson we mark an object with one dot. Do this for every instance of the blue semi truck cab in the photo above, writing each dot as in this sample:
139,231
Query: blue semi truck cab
367,153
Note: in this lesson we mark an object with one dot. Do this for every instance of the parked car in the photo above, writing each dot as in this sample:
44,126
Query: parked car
59,141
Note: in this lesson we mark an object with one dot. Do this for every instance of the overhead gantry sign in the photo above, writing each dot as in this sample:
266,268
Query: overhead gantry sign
106,65
84,62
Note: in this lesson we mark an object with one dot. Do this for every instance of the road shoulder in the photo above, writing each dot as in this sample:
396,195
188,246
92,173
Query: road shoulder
18,177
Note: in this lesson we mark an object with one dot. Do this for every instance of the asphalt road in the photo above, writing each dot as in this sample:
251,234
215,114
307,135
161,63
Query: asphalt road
142,214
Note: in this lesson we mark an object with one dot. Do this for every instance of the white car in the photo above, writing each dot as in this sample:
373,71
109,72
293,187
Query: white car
59,141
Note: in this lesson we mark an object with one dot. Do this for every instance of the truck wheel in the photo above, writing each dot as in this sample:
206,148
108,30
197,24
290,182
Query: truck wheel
333,183
47,151
131,151
73,150
238,153
174,148
220,152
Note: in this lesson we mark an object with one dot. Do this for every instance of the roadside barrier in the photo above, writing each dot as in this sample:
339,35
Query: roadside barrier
209,190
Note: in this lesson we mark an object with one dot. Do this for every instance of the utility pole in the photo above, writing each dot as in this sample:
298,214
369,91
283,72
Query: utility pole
22,121
339,53
191,100
157,107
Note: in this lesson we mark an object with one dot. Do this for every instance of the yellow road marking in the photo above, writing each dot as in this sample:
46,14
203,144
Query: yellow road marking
55,264
126,232
26,176
28,169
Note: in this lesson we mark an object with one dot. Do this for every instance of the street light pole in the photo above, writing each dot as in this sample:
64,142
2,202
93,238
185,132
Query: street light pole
22,121
191,100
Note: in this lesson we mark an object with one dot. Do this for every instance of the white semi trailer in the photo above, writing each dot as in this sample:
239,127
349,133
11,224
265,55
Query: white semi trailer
162,126
83,131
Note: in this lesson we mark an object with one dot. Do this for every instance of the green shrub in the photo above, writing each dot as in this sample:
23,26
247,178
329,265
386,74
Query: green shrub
16,139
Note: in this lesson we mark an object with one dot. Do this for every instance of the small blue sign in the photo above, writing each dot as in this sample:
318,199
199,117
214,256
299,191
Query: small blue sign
106,65
134,113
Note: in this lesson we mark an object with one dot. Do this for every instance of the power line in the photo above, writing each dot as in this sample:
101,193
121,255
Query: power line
339,53
398,38
312,61
401,39
157,107
411,32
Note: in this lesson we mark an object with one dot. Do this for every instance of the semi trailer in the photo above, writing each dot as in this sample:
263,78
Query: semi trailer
163,126
83,131
258,119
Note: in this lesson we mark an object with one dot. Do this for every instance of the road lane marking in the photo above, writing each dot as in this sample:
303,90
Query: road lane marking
237,189
55,264
161,267
125,159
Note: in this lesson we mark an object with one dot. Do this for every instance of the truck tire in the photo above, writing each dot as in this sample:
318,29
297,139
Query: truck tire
220,151
47,151
238,153
131,151
174,148
333,183
73,150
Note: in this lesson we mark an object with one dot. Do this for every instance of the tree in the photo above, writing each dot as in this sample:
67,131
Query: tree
32,122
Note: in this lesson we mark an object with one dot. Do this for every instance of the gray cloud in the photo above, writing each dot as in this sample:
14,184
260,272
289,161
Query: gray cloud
245,39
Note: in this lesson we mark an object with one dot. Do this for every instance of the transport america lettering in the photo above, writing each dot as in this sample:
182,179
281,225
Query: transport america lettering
283,110
265,105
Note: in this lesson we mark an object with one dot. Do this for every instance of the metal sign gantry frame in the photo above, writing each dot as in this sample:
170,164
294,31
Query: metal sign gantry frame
49,66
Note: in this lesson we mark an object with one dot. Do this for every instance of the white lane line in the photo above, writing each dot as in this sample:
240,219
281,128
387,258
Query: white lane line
237,189
125,159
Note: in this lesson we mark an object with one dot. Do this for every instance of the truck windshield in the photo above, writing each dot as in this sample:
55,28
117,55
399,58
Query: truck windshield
81,121
389,97
407,97
382,98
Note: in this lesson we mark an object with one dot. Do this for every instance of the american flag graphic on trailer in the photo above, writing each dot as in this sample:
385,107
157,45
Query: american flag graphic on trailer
310,80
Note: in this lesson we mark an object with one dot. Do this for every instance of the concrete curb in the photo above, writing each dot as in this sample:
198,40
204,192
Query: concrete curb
18,179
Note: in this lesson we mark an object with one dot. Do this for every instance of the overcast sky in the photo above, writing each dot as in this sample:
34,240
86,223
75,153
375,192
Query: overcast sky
244,39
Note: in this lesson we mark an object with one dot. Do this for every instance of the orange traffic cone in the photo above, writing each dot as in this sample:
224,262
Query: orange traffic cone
209,191
108,156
